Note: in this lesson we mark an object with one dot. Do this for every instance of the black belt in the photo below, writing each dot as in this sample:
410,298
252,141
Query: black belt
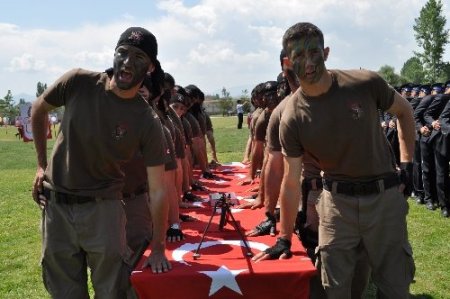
139,191
71,199
367,188
313,184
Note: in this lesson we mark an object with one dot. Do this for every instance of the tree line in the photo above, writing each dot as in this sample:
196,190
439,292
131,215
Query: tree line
431,36
9,109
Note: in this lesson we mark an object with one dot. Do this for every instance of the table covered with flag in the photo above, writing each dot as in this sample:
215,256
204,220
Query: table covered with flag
223,270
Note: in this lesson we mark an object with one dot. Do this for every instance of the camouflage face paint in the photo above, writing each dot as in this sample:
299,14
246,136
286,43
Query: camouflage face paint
308,59
130,66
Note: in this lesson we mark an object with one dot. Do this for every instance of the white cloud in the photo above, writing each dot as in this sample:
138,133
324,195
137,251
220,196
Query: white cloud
26,62
216,43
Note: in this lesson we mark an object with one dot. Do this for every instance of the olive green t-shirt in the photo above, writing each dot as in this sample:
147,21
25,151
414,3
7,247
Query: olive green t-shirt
341,128
99,132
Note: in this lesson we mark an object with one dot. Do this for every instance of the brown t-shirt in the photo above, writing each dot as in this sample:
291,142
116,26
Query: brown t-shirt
180,140
172,163
187,130
196,131
261,126
311,168
209,126
255,116
341,127
99,132
273,128
202,122
135,174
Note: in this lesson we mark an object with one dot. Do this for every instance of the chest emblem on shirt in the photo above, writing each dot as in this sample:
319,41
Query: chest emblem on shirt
356,110
120,131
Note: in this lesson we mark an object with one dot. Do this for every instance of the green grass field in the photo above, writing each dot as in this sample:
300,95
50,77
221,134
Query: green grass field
20,275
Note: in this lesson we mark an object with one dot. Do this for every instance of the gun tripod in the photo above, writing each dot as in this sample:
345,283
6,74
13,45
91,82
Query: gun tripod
225,214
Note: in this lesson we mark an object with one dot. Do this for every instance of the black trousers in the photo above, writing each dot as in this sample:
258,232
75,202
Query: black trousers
393,141
417,171
428,172
240,120
442,178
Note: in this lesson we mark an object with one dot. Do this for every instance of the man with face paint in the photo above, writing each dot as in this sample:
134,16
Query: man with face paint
363,205
80,187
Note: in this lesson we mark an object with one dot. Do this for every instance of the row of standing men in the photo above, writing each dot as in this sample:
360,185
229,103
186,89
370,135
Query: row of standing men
432,152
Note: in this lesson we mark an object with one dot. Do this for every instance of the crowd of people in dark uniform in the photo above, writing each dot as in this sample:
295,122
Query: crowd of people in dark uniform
432,151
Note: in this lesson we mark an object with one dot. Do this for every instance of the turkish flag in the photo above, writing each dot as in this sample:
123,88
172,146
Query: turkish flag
223,269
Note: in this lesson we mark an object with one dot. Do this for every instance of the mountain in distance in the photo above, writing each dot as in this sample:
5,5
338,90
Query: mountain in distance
27,97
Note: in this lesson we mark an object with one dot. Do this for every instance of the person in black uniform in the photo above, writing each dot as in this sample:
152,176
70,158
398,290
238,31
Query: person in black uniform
417,159
444,149
431,117
428,165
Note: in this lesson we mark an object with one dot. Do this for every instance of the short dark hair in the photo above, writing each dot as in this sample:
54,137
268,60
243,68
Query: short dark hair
282,55
257,90
169,79
302,30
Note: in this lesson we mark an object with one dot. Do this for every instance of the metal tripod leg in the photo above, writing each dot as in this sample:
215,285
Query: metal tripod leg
236,227
197,254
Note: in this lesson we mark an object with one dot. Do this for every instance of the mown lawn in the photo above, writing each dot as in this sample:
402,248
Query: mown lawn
20,275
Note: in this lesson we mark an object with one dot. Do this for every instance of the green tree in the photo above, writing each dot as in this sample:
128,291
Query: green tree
431,36
225,93
412,70
41,87
388,74
445,72
245,101
225,102
7,106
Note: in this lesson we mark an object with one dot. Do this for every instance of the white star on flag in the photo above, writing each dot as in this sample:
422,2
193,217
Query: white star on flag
223,277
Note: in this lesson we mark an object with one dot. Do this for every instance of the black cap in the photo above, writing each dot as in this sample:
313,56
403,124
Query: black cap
447,84
193,91
416,88
426,88
406,87
270,86
180,90
179,98
140,38
438,87
169,79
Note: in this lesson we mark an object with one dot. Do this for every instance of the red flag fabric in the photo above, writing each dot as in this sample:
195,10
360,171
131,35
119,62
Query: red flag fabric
223,270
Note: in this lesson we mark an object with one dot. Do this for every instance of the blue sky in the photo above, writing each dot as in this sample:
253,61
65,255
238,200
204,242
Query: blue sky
210,43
